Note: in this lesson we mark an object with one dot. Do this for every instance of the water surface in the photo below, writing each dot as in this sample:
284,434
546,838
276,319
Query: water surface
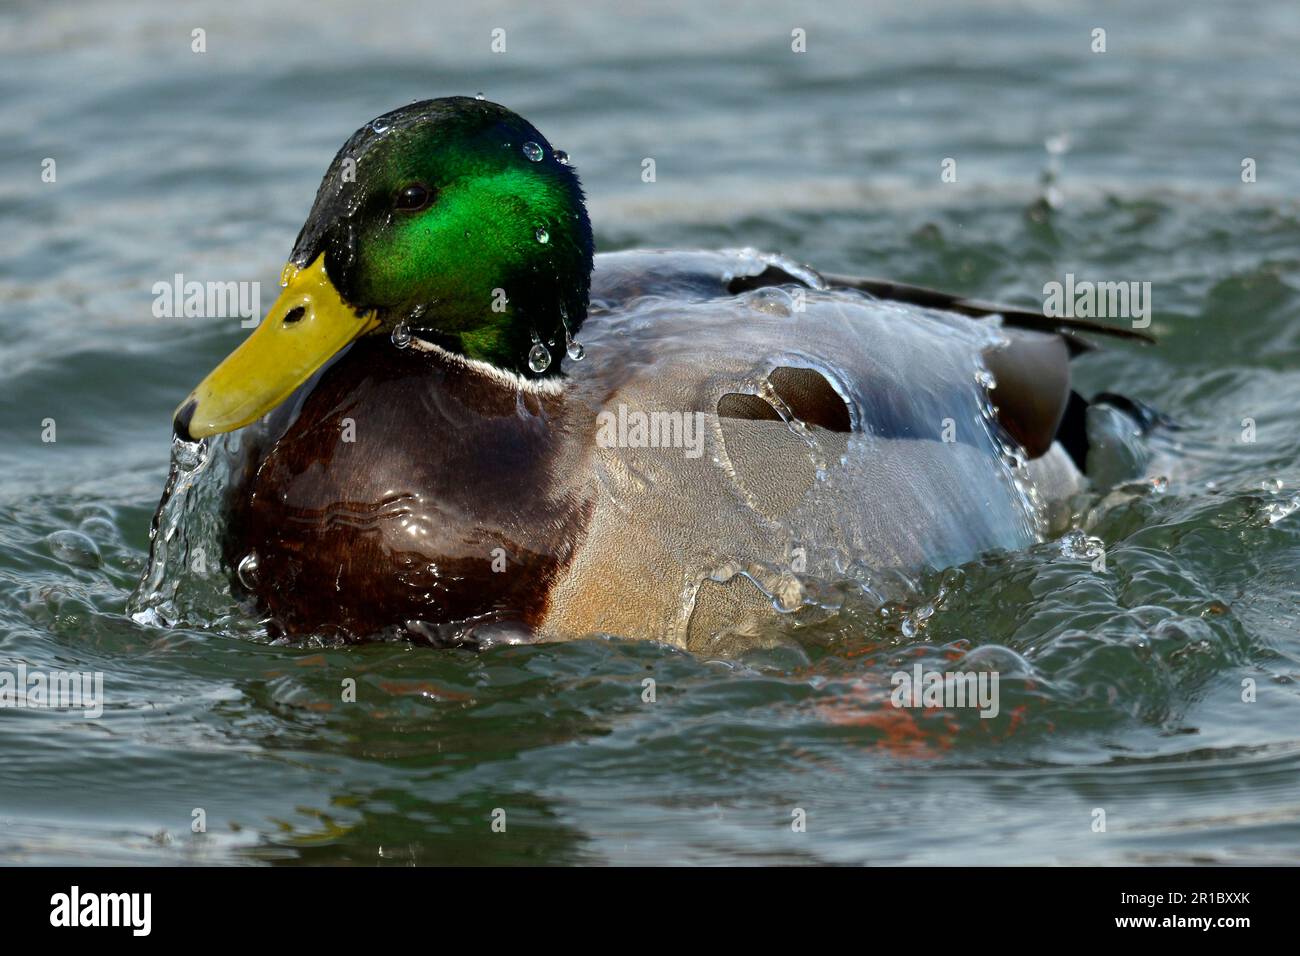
1129,689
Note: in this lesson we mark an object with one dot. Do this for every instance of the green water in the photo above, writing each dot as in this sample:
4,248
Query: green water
1124,688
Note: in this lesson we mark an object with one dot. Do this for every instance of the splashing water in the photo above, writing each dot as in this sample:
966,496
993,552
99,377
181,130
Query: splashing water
1057,146
185,582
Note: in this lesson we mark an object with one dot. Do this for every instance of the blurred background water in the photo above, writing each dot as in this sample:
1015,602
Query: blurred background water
1128,685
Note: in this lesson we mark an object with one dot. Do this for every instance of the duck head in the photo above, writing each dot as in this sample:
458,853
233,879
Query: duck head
451,217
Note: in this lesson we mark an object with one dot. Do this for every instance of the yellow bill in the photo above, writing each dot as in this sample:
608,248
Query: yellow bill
307,325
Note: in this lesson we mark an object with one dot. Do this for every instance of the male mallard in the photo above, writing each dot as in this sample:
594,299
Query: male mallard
452,465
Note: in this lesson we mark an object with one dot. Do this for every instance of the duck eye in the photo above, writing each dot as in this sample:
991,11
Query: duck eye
413,198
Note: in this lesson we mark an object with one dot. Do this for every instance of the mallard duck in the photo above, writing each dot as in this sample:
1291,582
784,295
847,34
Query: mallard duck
462,424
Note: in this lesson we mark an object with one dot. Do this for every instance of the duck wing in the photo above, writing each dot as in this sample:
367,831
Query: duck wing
1012,316
1033,394
691,274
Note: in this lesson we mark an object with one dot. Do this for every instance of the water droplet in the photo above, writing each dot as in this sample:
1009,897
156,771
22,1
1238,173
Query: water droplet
562,157
539,357
953,579
287,273
542,235
915,621
985,378
401,335
349,247
891,611
573,349
75,548
379,126
352,204
1078,545
247,571
97,526
479,96
772,300
534,152
1057,145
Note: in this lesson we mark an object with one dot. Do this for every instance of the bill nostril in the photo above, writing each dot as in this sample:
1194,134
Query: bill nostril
294,315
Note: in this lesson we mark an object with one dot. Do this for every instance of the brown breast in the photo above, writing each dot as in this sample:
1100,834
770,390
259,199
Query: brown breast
411,491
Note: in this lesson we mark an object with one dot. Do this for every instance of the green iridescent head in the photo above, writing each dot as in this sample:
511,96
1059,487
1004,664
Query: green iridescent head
453,217
457,217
